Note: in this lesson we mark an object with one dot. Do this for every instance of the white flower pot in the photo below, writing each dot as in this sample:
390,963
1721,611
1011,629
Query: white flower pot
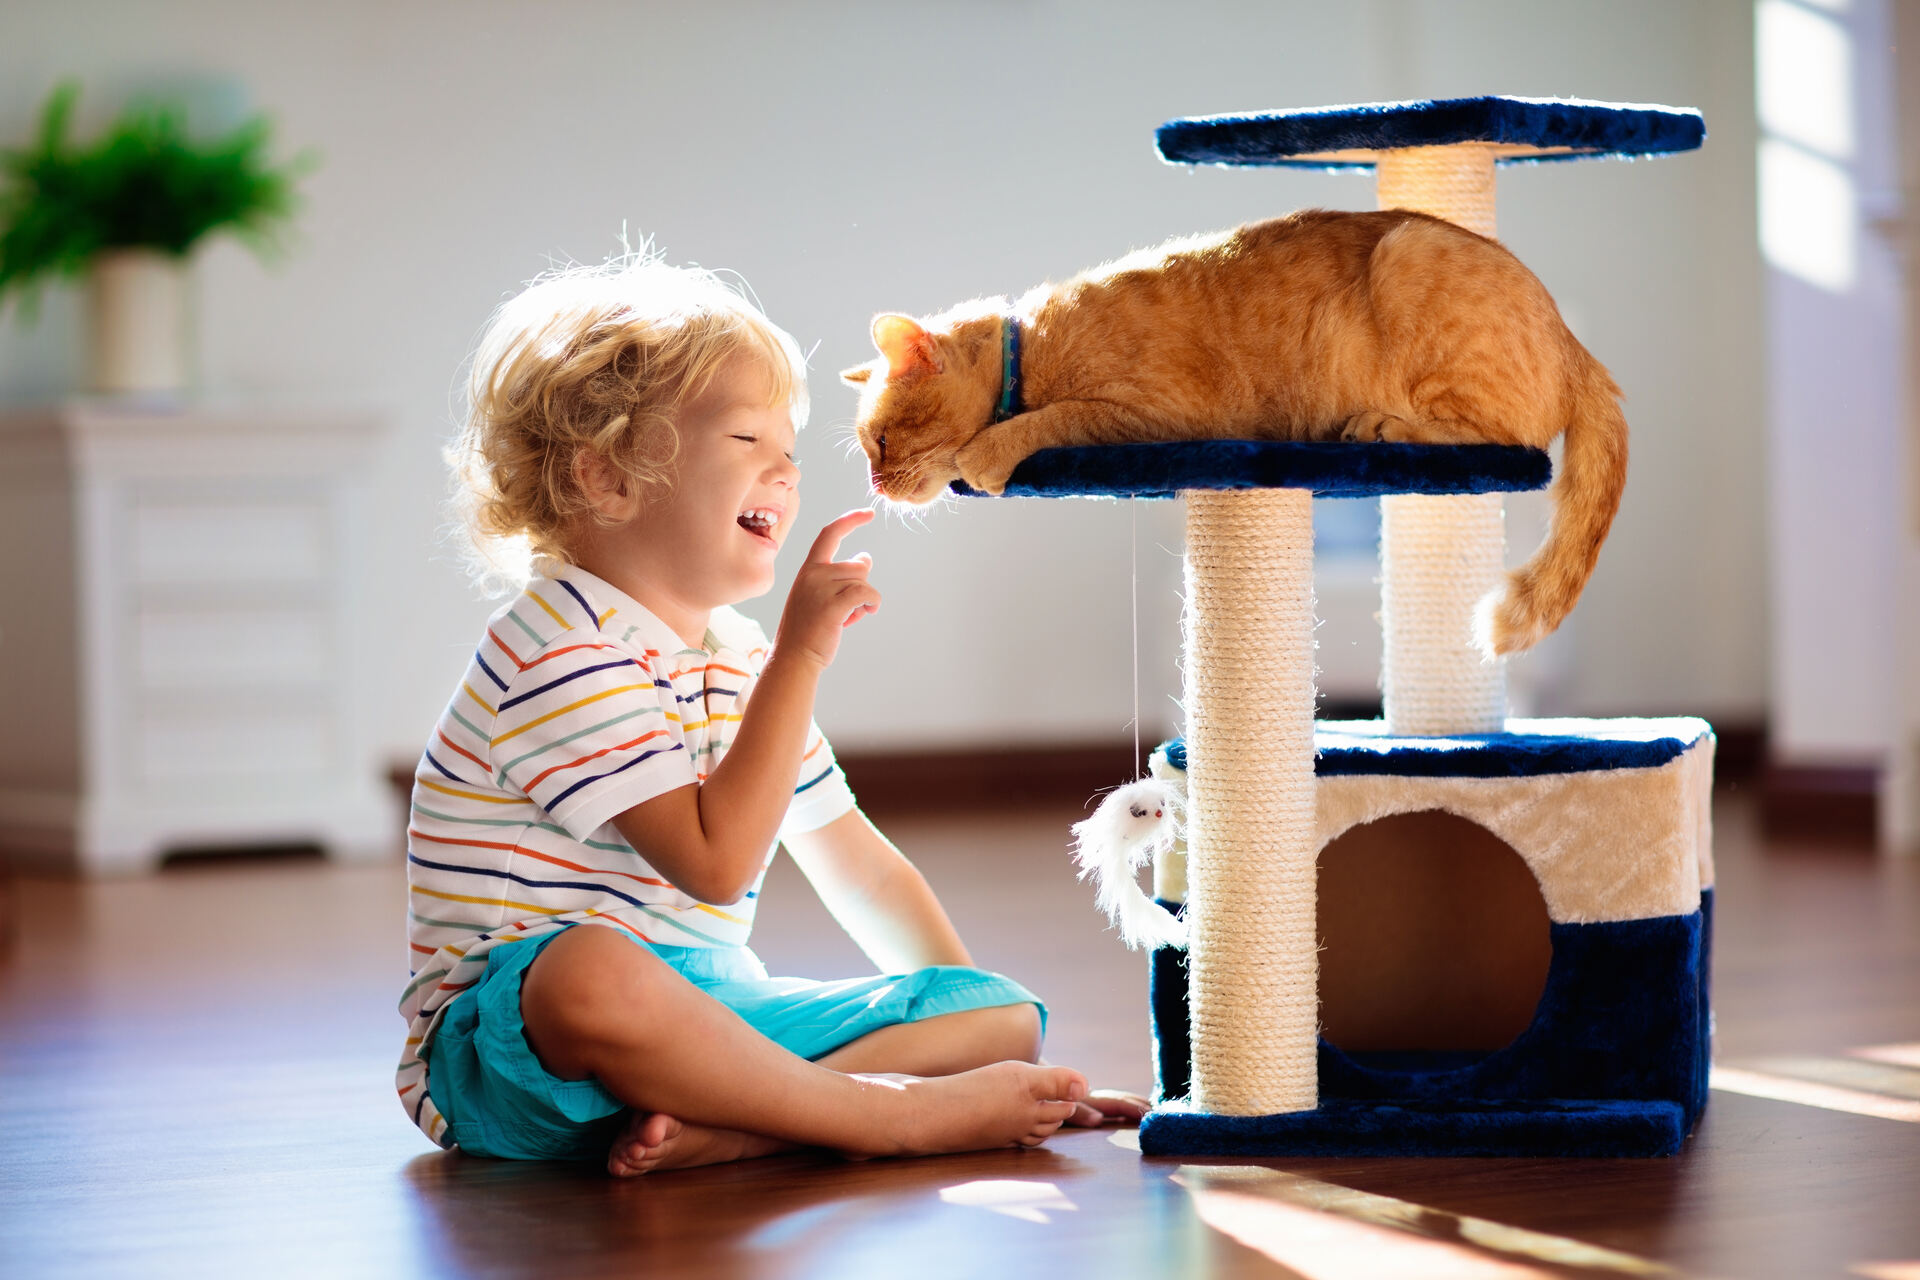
142,325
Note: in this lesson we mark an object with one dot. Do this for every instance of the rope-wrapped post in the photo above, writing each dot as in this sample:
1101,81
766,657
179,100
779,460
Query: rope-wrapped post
1251,843
1439,556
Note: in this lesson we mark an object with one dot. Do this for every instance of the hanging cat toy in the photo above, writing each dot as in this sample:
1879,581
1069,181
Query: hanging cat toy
1133,825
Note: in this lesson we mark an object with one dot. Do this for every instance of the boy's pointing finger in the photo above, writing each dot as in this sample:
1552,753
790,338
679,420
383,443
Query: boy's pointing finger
830,537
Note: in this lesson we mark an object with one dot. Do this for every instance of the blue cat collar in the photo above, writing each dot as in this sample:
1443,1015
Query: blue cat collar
1009,369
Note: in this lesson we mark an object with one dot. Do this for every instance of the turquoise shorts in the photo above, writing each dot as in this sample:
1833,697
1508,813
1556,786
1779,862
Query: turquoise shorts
499,1101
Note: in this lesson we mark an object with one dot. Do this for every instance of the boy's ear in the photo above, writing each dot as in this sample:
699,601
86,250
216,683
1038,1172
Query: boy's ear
856,375
604,488
907,347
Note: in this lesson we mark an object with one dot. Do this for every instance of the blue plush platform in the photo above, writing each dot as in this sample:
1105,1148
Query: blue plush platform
1412,1127
1301,139
1162,470
1528,749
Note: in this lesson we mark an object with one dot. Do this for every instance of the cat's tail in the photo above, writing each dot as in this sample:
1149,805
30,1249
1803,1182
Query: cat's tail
1593,470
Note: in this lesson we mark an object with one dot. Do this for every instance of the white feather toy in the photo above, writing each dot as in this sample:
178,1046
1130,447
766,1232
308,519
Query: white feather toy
1131,825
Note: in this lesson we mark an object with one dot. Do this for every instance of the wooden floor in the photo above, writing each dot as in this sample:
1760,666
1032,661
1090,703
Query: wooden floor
195,1079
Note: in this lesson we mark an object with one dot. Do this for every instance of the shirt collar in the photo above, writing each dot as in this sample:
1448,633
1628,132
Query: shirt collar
602,595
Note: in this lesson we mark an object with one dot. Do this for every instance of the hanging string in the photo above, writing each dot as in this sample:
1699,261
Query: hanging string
1133,548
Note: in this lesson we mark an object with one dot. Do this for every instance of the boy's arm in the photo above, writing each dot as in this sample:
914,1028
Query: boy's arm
711,839
879,898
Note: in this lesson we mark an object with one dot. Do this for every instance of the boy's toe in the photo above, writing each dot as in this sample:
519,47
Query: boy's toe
1061,1082
1086,1116
639,1147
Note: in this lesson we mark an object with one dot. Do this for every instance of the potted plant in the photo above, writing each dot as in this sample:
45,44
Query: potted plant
127,211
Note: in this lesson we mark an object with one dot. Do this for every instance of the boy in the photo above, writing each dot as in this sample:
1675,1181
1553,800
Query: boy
622,754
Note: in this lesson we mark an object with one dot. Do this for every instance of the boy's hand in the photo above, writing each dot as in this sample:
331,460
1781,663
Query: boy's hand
828,595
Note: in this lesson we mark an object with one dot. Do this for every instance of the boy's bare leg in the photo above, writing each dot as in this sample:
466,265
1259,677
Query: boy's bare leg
939,1046
961,1041
596,1005
945,1045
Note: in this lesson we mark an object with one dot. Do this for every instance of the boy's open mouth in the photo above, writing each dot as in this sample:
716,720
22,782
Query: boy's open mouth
759,521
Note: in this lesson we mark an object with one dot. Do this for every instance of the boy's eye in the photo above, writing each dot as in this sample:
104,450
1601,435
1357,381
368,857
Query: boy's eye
749,439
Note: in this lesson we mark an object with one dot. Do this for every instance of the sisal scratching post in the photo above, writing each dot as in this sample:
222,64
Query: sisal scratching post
1439,556
1251,836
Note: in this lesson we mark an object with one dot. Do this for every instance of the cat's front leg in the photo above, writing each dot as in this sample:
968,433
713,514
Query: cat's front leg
987,461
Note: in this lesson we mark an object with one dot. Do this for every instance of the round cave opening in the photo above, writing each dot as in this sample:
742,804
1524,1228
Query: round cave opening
1434,938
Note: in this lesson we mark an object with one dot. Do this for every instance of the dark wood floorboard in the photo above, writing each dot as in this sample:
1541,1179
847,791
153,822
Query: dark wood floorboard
195,1079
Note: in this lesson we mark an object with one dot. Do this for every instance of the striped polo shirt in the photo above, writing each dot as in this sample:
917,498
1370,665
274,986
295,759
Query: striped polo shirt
578,705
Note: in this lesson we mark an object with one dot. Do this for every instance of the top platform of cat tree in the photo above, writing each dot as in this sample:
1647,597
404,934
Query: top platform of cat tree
1520,130
1330,470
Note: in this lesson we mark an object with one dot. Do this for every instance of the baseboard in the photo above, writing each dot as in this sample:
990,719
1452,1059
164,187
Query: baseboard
1739,752
1836,804
987,779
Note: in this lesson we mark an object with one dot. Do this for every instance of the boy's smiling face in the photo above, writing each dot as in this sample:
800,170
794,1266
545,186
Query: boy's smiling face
712,538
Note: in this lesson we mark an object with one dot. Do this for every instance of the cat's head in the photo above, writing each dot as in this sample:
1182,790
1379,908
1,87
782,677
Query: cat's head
921,399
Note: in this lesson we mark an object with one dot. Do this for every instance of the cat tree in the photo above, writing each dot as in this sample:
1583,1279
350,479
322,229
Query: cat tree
1609,817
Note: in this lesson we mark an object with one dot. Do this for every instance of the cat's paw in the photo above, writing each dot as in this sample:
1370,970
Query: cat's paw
986,463
1384,428
1368,427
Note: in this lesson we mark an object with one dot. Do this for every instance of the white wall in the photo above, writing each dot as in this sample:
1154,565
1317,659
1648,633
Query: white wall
1836,371
850,157
1900,791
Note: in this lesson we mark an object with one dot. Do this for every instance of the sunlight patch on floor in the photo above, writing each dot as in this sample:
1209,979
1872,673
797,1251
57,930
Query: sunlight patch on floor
1813,1093
1865,1074
1899,1055
1886,1270
1320,1231
1013,1197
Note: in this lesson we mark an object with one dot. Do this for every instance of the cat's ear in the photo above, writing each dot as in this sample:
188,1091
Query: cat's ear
907,347
856,376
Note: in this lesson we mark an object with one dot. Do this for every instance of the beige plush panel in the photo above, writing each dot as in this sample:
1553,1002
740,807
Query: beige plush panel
1614,844
1702,757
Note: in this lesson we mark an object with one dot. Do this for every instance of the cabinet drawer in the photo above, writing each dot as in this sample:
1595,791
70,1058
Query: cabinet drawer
240,743
179,541
233,646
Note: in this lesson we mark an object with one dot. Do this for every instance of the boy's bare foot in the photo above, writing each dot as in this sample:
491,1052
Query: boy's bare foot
1003,1105
652,1141
1103,1105
1006,1104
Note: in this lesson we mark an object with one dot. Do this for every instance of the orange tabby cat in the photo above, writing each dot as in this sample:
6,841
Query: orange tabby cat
1320,326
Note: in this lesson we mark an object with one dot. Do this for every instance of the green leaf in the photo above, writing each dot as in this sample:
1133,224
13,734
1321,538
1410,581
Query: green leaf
144,184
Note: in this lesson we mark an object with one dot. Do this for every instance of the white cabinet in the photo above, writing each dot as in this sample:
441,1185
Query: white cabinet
181,616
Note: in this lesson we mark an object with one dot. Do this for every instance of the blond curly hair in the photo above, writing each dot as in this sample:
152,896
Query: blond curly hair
600,359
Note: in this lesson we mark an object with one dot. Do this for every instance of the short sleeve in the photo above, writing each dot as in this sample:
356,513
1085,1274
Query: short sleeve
582,730
822,793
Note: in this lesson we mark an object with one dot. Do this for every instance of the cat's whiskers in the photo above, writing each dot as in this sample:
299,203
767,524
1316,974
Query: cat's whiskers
909,513
847,436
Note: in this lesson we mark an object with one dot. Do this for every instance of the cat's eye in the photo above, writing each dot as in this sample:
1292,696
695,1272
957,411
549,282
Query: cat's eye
882,442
